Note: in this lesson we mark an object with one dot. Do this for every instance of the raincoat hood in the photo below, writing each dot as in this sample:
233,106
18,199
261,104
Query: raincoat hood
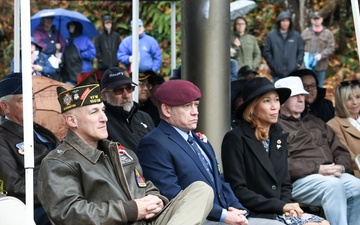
107,18
78,28
284,15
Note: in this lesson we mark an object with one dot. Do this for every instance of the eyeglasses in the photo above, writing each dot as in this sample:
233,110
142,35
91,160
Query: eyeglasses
120,91
240,23
309,86
349,82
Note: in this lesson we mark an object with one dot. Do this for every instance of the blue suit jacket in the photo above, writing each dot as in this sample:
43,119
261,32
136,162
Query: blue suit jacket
171,164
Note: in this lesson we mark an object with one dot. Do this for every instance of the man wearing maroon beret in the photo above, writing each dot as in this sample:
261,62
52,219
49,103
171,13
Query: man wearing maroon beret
173,156
88,179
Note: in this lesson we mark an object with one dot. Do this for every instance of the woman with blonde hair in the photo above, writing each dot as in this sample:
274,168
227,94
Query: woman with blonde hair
346,123
254,156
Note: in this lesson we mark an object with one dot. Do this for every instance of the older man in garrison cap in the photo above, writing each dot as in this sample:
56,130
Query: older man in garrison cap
91,180
12,170
173,155
127,124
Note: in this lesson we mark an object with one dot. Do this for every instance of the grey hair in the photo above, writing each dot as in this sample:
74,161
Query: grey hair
6,98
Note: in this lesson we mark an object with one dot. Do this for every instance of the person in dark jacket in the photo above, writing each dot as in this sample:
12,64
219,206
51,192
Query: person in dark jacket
319,106
88,179
283,48
127,124
106,45
254,156
236,100
12,170
79,53
151,81
244,74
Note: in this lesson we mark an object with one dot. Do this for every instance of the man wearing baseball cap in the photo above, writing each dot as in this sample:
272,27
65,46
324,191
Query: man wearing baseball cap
319,165
319,42
173,155
91,180
127,124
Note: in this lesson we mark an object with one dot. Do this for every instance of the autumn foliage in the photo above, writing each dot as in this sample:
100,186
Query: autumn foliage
157,16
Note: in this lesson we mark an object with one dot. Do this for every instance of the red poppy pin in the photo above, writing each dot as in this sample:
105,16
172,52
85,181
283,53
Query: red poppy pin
201,136
124,156
121,149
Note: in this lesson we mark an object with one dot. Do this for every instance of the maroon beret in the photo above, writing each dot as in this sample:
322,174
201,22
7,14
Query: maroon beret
177,92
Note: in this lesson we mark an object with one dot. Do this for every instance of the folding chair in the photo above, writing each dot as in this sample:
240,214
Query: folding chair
12,211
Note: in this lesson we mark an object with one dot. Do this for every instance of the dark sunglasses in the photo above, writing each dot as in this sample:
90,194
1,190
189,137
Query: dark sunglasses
120,91
349,82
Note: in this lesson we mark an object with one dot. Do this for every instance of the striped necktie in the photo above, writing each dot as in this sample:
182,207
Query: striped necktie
205,163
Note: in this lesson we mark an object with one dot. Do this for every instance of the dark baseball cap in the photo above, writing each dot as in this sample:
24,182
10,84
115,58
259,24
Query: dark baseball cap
115,77
314,15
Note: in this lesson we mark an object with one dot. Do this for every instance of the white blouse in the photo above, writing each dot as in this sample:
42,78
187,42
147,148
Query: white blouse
355,123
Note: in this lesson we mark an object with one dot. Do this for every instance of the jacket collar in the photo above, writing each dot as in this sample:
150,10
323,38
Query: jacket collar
12,127
275,149
118,110
304,115
349,128
93,155
179,140
18,130
89,152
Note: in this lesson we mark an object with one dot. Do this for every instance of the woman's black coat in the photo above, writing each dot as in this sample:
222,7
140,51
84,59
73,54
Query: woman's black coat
260,181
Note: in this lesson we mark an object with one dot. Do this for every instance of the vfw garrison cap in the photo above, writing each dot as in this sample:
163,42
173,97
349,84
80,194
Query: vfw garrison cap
85,93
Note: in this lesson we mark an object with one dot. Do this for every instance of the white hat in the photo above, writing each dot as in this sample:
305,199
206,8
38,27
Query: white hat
294,83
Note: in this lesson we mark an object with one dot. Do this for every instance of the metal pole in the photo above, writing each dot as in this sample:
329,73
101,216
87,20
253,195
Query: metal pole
28,109
17,36
206,62
173,36
356,16
135,46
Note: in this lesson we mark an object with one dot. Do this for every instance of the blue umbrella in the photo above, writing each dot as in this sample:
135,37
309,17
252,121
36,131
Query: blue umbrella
61,17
